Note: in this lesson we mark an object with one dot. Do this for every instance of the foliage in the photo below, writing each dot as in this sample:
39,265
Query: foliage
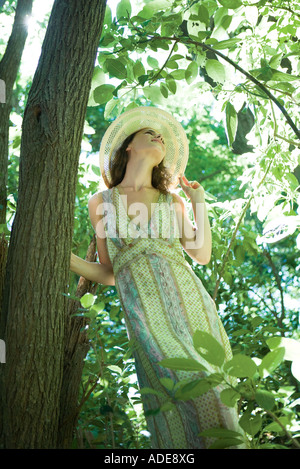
110,411
173,54
267,405
138,65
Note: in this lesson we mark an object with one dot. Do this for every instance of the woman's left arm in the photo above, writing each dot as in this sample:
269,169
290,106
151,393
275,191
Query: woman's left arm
196,241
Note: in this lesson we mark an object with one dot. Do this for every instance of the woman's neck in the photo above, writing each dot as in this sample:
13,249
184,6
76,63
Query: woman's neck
138,176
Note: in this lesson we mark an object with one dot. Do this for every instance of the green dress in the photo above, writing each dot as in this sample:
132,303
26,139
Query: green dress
164,303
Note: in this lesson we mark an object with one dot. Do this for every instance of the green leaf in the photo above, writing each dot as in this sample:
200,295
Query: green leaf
286,87
187,364
115,368
164,90
226,443
226,437
138,69
166,406
142,79
123,9
203,14
241,366
271,361
107,17
96,170
107,40
152,412
291,347
232,4
215,70
146,390
209,348
87,300
171,84
98,307
152,62
153,7
231,122
111,108
103,93
219,14
256,321
251,424
265,399
177,75
153,93
168,383
275,427
171,64
277,75
191,72
98,77
116,68
229,397
194,389
227,44
220,433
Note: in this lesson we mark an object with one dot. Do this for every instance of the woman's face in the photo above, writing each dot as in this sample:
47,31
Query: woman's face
149,141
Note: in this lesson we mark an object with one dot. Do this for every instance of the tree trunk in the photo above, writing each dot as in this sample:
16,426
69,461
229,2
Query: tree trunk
9,67
34,311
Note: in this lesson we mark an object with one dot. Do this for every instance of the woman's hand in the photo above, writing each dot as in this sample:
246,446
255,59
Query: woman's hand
191,189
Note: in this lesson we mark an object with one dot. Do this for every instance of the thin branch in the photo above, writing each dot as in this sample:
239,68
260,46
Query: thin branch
291,142
288,434
158,73
240,69
279,7
278,282
225,259
185,40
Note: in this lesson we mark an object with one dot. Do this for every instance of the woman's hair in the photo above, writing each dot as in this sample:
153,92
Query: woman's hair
161,178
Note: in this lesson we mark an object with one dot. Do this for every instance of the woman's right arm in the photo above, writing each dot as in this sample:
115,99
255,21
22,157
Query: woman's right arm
96,272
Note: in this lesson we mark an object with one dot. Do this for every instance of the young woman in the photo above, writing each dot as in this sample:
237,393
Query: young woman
142,228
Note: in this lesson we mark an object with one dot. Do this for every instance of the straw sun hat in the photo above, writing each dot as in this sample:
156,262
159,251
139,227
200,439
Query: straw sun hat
177,147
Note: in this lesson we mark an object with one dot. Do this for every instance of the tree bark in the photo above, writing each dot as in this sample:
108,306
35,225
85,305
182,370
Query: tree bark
9,66
33,320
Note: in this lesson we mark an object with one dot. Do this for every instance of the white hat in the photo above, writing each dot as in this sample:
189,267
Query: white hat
175,139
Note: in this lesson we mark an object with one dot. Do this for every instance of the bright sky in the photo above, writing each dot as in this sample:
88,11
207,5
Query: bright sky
35,37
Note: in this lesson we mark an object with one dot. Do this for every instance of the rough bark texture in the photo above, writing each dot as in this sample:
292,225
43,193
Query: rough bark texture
9,66
33,320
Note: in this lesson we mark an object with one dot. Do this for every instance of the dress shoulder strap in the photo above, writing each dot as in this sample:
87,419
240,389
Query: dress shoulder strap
110,222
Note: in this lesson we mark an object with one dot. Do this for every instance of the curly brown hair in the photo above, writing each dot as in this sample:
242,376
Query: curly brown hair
161,178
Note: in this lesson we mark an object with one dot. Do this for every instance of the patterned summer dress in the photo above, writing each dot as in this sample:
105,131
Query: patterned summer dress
164,303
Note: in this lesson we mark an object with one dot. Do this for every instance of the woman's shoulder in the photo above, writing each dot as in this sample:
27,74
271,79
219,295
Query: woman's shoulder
95,199
96,204
98,197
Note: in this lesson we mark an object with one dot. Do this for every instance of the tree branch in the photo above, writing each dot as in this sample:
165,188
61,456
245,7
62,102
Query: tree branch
225,259
184,40
278,282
